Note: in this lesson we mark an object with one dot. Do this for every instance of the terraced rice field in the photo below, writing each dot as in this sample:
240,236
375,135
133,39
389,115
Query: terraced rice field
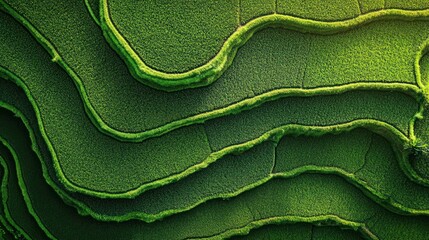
214,119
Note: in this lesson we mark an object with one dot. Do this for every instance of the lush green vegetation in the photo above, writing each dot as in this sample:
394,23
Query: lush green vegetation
250,207
214,119
183,40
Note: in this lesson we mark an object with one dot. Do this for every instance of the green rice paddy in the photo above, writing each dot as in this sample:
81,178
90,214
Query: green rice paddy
211,119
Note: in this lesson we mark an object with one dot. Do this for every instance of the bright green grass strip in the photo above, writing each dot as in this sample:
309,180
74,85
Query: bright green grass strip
15,208
130,42
303,199
205,185
127,110
300,231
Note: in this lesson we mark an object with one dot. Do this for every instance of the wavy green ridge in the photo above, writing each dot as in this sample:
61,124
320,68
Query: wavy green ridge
17,80
19,213
210,71
13,230
217,154
359,181
139,134
248,226
26,189
197,217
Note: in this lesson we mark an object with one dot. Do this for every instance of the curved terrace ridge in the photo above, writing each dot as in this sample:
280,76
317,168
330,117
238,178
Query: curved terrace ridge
86,210
402,140
397,138
379,196
210,71
242,105
32,203
363,220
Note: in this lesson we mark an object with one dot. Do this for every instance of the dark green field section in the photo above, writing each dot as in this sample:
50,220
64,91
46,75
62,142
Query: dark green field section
5,234
278,201
163,45
7,231
371,5
31,164
232,175
251,196
124,108
355,155
8,228
296,230
174,197
300,231
93,9
14,208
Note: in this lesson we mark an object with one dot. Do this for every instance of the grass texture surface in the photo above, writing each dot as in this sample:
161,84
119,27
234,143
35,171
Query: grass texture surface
214,119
